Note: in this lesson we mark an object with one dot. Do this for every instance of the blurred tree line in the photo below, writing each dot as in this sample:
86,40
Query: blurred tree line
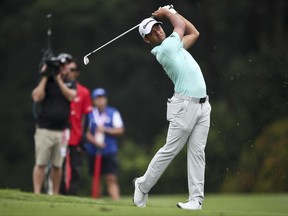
242,51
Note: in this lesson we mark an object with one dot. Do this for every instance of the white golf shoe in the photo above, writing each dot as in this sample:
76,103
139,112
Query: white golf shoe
190,205
139,198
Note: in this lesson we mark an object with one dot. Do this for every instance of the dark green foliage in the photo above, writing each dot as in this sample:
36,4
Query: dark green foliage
263,165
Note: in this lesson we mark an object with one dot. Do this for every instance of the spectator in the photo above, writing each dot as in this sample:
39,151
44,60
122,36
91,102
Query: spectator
105,125
80,107
55,92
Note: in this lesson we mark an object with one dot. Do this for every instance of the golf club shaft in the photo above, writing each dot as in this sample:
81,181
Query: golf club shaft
86,60
112,40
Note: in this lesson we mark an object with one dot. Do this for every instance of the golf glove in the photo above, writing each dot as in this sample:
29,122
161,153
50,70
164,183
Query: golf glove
170,8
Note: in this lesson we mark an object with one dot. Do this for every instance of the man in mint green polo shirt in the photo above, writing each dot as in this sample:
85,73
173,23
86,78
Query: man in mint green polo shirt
188,111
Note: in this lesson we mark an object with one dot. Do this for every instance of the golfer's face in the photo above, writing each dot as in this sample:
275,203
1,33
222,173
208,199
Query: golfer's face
157,35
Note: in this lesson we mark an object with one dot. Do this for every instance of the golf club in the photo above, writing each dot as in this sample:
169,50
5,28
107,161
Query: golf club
86,59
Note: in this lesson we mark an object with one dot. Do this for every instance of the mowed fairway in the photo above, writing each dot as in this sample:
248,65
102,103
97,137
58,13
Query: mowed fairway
14,203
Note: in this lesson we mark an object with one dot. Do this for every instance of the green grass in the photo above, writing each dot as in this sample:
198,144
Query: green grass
14,203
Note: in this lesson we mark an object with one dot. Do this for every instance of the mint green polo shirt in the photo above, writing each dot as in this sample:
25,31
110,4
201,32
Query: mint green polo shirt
181,67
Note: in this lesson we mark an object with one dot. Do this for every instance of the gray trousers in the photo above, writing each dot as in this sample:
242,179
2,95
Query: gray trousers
189,122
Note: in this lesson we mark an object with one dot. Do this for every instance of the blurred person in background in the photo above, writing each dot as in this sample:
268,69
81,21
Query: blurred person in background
54,91
80,106
105,126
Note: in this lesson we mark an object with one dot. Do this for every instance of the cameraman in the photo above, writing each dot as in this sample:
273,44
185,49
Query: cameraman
55,92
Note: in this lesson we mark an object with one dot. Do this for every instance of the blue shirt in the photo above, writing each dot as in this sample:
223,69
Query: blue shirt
180,66
112,115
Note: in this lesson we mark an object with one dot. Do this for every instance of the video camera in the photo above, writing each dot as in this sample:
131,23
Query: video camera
53,64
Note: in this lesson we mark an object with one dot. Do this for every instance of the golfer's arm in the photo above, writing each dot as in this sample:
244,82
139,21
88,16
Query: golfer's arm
191,33
38,92
177,22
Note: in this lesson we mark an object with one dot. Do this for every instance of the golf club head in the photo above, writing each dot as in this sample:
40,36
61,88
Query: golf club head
86,60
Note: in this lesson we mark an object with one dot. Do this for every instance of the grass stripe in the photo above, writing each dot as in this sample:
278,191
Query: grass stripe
17,203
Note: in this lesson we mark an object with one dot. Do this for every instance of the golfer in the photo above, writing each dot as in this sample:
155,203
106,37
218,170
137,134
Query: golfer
188,111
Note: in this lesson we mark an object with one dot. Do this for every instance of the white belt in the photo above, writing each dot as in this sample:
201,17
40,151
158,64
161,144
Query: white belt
192,99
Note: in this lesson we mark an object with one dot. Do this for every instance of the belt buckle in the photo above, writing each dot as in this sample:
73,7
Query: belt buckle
202,100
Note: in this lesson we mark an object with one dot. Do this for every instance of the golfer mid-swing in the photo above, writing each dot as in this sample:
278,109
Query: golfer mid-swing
188,111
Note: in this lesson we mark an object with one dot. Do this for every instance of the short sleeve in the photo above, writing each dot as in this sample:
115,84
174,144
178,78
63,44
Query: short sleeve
117,120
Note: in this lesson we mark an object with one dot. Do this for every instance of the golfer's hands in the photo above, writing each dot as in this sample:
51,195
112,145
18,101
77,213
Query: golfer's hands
160,13
170,8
